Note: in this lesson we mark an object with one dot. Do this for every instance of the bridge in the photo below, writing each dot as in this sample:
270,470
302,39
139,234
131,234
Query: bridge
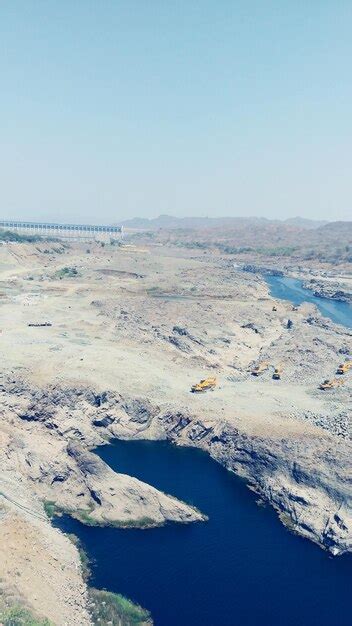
63,231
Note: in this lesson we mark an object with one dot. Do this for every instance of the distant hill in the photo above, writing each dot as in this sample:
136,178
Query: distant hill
334,228
298,238
302,222
169,222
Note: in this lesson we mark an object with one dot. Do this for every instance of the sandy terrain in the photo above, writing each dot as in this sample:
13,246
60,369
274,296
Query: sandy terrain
131,331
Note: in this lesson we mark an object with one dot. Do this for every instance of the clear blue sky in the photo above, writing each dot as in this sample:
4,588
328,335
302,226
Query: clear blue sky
111,109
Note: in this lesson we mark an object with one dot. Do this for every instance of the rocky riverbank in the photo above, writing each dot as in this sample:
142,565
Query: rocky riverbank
329,289
263,270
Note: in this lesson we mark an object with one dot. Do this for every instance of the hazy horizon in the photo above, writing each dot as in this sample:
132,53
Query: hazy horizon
118,110
96,220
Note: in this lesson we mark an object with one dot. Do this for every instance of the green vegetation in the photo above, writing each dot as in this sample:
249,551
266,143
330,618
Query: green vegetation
86,518
66,272
235,249
279,251
320,252
19,616
106,608
112,608
50,508
141,522
8,235
82,555
56,250
329,243
84,515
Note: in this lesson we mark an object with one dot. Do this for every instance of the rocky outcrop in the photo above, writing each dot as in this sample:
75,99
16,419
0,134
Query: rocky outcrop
328,289
309,498
122,500
265,271
73,478
314,499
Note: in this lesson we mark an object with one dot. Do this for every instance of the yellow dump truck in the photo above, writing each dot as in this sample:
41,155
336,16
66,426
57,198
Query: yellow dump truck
330,384
204,385
344,367
260,368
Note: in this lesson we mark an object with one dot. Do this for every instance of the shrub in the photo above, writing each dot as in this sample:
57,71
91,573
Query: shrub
113,608
19,616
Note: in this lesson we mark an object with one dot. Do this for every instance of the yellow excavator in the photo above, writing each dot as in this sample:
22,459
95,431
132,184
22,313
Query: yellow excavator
330,384
260,368
344,367
277,373
204,385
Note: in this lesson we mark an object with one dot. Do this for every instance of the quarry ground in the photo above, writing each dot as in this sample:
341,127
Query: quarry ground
132,328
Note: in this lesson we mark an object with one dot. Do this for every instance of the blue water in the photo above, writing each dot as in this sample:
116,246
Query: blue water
291,289
242,567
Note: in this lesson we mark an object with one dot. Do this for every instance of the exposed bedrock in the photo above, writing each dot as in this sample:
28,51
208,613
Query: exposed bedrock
307,480
306,477
123,500
49,442
329,289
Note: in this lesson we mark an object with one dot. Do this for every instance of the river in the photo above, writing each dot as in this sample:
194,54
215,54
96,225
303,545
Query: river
241,568
291,289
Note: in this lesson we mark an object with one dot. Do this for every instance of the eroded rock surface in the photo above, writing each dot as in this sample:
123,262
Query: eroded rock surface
329,289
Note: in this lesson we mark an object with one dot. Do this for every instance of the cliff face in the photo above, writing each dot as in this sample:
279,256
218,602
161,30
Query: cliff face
312,498
305,476
307,479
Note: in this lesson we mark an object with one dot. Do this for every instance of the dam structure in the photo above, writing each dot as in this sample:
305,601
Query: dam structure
63,231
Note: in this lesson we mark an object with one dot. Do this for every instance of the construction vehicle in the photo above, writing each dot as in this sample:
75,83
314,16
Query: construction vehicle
344,367
260,368
330,384
205,384
277,373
